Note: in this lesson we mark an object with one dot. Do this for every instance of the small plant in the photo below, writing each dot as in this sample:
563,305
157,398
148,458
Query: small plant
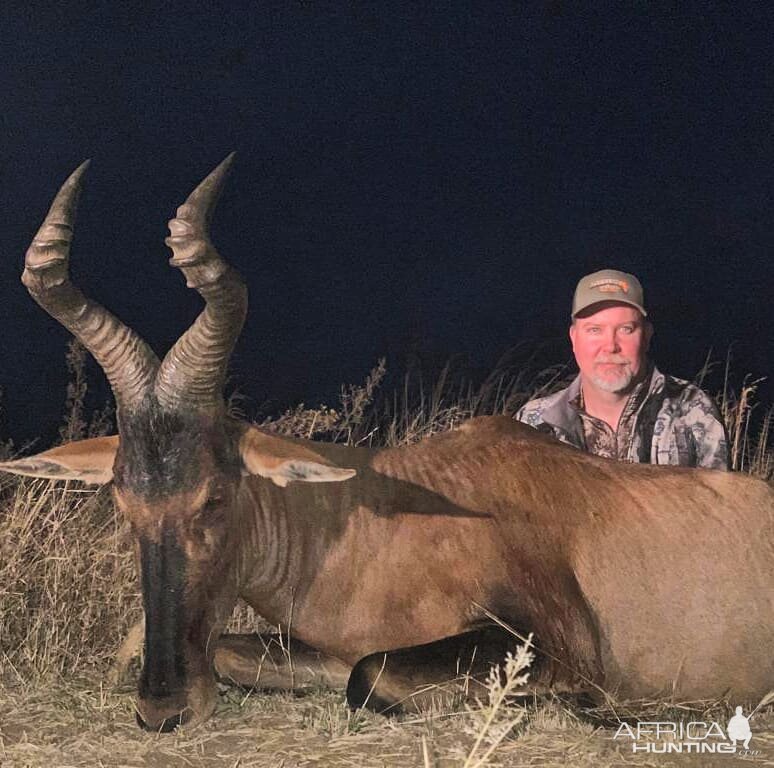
305,422
493,720
74,427
342,425
354,401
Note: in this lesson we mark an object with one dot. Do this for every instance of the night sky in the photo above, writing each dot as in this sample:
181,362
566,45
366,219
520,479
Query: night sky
412,180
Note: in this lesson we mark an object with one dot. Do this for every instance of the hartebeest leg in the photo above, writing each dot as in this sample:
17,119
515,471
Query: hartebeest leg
272,662
447,670
129,649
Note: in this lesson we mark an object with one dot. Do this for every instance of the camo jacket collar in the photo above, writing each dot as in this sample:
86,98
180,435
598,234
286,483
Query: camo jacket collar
560,413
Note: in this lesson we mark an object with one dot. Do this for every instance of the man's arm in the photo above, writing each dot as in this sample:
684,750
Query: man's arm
530,413
707,430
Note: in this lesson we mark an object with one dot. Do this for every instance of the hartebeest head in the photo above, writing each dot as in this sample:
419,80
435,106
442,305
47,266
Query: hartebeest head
178,462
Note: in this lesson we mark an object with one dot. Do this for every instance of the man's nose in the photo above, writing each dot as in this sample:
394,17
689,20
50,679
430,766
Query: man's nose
611,344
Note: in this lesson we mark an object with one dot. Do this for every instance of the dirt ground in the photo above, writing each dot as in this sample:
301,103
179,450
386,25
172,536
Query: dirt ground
72,724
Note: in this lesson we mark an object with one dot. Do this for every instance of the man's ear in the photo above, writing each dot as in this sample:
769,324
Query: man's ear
648,328
90,461
282,460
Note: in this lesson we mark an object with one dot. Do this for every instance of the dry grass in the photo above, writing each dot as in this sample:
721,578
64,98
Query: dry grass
68,595
67,584
78,723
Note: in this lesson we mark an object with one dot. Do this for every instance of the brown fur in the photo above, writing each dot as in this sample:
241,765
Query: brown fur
624,572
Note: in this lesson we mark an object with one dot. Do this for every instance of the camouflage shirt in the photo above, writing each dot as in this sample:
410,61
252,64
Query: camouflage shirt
665,421
599,437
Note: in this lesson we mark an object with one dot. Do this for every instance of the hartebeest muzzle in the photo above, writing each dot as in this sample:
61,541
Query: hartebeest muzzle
176,684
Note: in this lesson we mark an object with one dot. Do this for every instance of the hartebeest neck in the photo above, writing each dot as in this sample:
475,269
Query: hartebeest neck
286,533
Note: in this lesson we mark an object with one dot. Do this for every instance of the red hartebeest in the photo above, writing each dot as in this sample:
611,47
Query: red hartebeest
634,578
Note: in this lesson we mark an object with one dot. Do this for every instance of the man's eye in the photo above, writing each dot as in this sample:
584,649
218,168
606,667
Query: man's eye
592,329
627,329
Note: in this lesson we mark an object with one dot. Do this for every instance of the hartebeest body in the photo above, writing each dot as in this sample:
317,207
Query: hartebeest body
634,579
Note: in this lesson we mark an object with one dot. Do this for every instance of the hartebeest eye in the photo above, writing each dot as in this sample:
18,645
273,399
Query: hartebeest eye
212,505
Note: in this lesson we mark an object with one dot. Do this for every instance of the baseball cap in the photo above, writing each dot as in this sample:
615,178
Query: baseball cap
608,285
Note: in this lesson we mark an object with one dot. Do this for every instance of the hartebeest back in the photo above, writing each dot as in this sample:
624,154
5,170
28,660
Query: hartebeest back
634,579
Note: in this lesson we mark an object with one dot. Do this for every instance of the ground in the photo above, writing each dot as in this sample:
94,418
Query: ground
73,723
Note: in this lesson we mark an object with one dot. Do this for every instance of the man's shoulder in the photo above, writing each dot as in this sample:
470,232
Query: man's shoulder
686,409
687,397
532,411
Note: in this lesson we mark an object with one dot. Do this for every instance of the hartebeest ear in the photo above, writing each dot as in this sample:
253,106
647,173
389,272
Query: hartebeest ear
283,460
90,461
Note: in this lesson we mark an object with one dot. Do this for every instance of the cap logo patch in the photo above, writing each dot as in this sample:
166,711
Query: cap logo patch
608,285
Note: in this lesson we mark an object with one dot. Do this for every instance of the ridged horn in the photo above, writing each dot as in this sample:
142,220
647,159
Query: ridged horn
128,362
194,371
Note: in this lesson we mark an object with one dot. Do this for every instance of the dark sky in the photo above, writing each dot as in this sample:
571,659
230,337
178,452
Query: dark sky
412,180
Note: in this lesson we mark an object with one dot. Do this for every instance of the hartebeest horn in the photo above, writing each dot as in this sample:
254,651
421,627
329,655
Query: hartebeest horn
128,362
194,370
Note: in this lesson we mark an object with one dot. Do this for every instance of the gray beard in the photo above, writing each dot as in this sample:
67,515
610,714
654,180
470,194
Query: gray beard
618,384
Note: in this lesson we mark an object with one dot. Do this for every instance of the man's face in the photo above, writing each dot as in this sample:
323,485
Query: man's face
610,346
